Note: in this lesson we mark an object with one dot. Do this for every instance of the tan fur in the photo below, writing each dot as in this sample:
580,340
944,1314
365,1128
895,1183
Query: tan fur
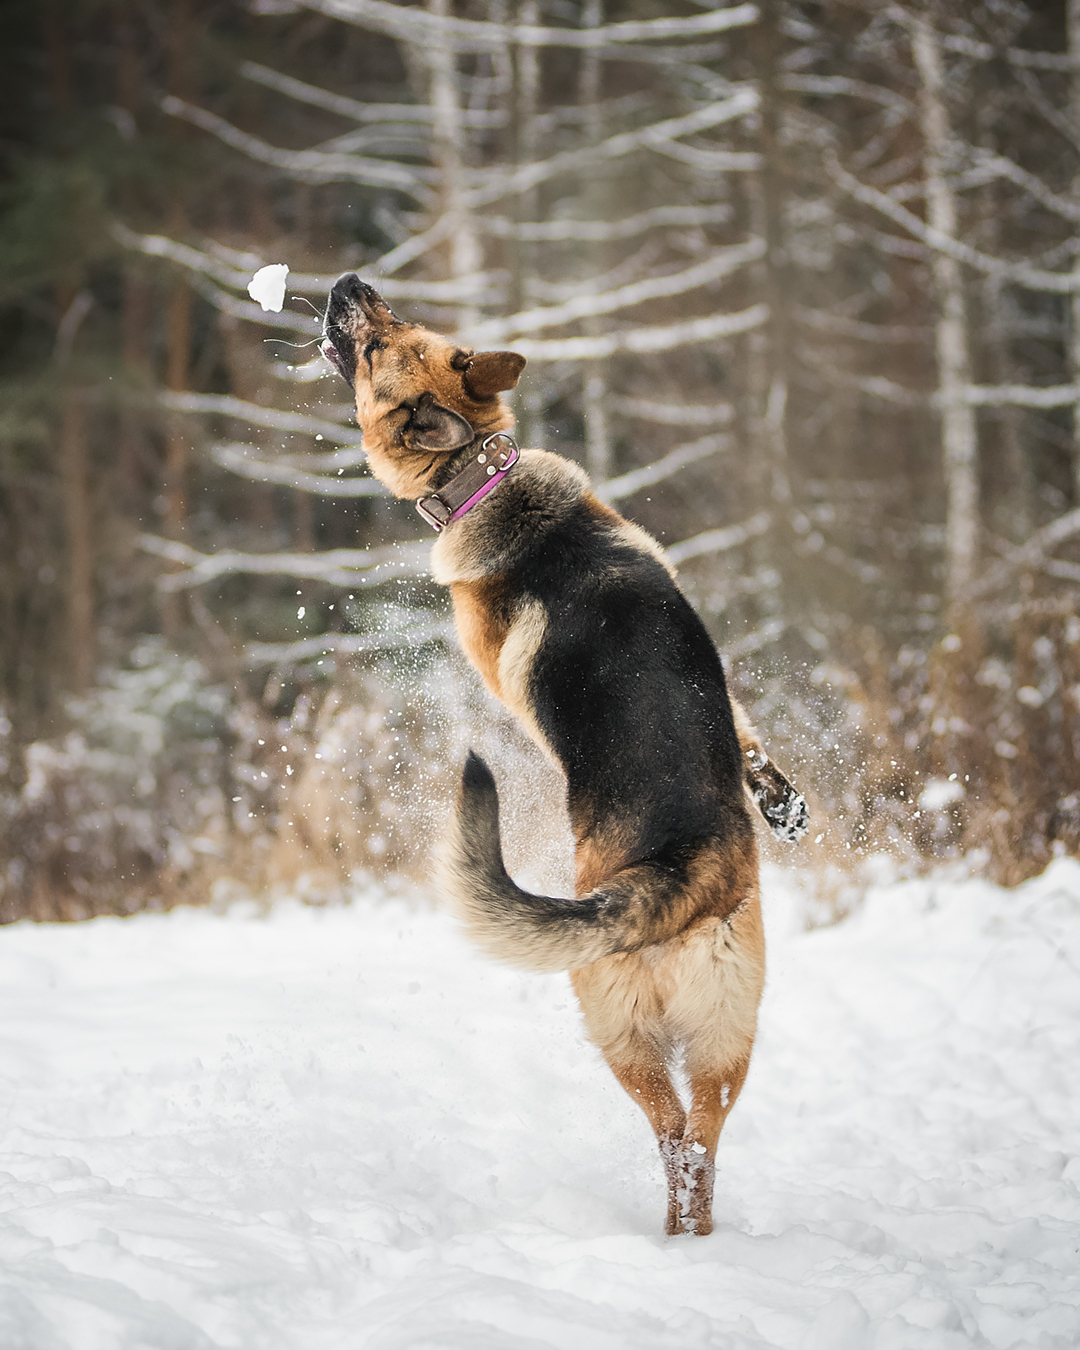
481,616
515,665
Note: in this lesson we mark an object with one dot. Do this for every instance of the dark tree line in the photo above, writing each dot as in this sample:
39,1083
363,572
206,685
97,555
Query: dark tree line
798,283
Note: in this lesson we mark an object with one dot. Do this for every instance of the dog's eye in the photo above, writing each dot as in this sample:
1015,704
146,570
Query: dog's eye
375,345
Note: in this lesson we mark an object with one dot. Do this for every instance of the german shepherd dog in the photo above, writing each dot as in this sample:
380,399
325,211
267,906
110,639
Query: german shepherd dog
574,620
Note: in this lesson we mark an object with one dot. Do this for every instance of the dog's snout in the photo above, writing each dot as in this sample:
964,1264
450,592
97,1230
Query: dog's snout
354,302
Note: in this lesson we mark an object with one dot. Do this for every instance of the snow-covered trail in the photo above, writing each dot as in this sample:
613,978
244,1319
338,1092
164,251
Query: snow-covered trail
341,1128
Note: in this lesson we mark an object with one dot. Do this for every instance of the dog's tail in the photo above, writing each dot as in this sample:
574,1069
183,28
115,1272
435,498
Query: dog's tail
643,904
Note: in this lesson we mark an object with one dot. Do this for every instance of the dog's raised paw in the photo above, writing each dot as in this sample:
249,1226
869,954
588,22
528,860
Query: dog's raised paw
786,813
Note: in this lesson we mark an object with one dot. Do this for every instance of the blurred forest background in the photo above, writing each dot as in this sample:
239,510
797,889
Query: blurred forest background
799,283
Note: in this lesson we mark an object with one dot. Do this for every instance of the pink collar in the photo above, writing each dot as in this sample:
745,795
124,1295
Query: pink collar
472,484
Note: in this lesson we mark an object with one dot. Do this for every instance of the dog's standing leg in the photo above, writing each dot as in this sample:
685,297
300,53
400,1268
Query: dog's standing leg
646,1079
692,1169
620,1011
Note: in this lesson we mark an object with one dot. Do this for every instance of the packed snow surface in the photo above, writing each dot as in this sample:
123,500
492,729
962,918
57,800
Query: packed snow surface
339,1128
267,286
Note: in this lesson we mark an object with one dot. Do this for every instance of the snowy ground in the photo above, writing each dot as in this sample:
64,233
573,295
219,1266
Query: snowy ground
340,1128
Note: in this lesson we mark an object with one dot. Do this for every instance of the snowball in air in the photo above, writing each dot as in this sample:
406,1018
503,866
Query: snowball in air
267,286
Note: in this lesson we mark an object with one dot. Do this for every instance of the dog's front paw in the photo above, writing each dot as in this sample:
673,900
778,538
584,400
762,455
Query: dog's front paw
784,809
789,817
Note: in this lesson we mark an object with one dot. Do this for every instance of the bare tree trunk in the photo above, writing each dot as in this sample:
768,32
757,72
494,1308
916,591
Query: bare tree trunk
771,408
523,95
178,358
598,450
1013,496
74,477
1073,24
958,434
466,250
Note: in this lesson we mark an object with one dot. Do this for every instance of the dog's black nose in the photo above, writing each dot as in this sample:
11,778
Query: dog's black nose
348,287
349,294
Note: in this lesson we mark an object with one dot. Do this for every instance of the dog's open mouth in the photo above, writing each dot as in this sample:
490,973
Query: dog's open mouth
330,351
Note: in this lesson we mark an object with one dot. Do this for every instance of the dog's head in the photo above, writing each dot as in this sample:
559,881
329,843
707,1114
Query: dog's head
419,397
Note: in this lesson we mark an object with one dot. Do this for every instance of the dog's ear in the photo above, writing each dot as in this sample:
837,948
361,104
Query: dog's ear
489,373
433,427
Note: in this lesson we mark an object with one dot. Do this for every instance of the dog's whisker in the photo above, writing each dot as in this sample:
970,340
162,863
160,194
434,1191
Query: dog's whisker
304,300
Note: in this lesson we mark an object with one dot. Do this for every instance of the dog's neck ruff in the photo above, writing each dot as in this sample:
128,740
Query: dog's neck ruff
472,484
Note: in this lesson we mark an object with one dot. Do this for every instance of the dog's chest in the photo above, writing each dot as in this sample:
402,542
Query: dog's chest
501,636
483,622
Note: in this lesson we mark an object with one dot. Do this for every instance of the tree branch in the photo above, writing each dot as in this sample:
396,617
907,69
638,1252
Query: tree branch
721,264
351,108
658,339
348,644
1029,277
340,566
238,459
259,416
719,541
601,231
615,489
674,414
311,166
469,35
502,184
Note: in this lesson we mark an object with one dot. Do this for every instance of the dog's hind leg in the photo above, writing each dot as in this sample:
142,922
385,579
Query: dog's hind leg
645,1077
692,1167
622,1018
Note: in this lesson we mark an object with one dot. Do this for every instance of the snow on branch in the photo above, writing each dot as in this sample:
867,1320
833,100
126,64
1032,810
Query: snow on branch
998,166
310,166
208,271
721,264
1022,395
470,35
312,461
841,84
352,108
877,386
710,161
259,416
501,183
307,283
719,541
674,414
1029,277
238,459
601,231
1016,56
339,566
661,338
1031,554
615,489
842,326
348,644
